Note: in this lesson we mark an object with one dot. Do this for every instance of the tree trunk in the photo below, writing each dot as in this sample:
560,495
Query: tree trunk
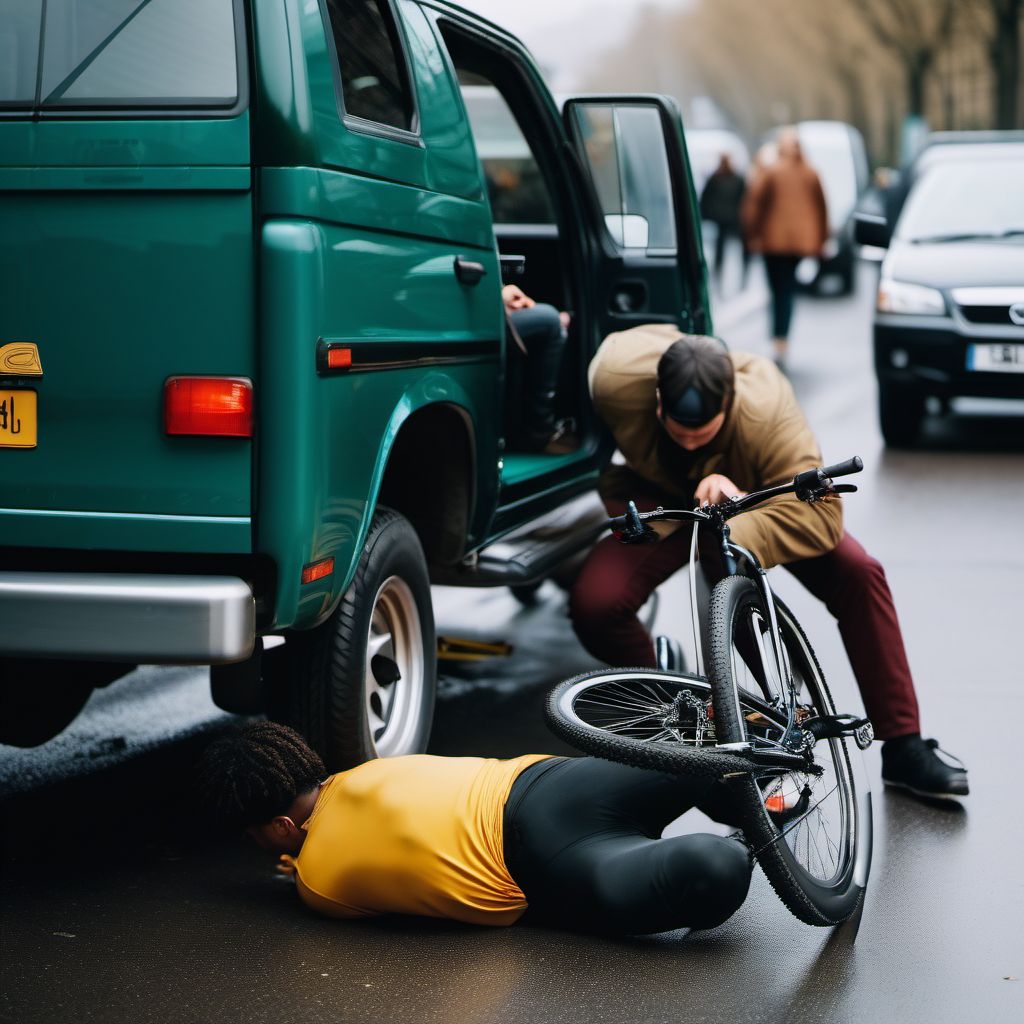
1005,51
917,73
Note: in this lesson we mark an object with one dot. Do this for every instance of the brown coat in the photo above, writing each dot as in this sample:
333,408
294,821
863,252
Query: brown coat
765,440
784,210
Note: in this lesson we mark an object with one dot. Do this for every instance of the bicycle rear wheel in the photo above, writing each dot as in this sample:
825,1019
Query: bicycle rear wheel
811,832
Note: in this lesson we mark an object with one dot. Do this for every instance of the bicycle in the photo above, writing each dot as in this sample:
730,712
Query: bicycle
761,717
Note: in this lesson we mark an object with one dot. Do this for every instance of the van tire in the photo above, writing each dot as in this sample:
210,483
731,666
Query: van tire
351,711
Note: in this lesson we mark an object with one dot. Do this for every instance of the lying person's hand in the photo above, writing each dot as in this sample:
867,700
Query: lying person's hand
715,488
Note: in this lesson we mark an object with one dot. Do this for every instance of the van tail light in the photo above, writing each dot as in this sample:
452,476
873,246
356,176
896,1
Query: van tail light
208,406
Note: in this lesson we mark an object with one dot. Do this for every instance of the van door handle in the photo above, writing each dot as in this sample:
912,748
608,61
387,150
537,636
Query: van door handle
469,272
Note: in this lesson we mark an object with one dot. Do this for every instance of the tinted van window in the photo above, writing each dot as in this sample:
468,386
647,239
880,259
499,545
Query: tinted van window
374,84
118,53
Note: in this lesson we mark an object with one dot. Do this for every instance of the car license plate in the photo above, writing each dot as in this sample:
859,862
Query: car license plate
18,422
996,358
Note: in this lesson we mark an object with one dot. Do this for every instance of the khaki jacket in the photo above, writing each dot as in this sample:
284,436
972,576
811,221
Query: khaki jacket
784,211
765,440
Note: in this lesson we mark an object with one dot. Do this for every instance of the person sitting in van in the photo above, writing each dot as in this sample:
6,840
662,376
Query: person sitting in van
567,841
540,332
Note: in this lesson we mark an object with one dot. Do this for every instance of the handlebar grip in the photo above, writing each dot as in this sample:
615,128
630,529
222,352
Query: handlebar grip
850,466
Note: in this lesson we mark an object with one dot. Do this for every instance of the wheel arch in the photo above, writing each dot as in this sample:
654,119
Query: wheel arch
429,476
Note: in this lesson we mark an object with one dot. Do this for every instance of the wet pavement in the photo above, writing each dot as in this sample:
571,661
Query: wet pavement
117,906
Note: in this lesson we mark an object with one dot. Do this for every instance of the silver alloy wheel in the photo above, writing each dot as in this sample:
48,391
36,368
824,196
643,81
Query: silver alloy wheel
394,708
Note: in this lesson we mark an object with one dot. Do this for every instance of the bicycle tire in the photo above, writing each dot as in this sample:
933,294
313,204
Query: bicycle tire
564,719
814,900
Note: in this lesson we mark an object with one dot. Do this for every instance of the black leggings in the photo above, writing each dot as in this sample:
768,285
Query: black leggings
582,842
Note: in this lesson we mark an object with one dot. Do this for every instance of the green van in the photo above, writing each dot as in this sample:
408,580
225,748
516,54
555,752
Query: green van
255,381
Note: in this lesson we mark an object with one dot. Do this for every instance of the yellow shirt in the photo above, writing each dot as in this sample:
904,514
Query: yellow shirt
413,835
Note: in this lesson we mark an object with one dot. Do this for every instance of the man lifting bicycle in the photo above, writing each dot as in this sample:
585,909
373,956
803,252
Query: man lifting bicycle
699,424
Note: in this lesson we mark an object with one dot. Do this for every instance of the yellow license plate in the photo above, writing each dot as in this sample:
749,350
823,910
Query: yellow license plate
18,421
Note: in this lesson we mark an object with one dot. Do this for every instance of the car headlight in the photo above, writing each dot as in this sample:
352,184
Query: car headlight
901,297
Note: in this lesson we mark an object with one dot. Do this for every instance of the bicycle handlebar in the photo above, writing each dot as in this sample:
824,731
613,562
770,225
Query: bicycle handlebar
810,485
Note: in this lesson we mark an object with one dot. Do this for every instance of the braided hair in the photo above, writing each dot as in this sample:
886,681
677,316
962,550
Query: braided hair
254,774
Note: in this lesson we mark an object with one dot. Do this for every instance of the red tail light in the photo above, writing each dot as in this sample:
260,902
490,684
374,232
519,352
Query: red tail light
208,406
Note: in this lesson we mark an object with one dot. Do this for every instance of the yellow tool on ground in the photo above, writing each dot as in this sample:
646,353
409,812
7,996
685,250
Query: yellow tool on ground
453,648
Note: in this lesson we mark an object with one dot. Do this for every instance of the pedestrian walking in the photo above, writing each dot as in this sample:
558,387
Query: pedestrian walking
785,219
720,203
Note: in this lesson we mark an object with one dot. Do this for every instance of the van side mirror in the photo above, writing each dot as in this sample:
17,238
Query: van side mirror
869,229
628,230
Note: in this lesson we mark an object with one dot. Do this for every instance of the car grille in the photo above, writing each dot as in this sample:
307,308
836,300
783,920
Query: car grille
987,314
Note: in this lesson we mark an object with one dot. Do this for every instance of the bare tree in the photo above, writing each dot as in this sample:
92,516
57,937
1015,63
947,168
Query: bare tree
1004,49
914,31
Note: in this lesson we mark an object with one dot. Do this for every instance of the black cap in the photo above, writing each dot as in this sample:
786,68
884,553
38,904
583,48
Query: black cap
693,408
695,380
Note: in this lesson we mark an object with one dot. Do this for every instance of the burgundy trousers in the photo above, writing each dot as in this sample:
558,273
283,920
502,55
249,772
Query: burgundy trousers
617,579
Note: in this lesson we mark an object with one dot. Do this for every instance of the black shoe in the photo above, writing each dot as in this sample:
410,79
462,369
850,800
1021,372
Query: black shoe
669,655
912,763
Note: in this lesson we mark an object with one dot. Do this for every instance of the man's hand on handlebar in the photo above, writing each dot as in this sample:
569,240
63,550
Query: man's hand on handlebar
716,488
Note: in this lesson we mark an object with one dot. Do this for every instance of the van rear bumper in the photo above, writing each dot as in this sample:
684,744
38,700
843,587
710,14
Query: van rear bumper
153,619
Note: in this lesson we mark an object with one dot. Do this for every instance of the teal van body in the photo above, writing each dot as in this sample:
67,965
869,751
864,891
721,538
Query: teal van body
255,233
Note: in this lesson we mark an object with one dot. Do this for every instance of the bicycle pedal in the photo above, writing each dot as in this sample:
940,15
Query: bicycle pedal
828,727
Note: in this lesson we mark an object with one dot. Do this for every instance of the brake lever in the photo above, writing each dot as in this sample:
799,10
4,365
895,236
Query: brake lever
635,531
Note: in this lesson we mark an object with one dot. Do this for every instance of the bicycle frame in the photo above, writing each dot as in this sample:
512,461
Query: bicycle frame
810,485
733,556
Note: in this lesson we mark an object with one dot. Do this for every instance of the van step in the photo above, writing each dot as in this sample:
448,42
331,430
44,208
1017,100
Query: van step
533,551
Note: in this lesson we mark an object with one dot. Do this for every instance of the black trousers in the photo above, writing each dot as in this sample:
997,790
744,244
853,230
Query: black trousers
582,842
722,235
781,273
540,329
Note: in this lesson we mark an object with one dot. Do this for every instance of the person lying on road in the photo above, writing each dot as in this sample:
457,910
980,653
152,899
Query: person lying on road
697,424
569,841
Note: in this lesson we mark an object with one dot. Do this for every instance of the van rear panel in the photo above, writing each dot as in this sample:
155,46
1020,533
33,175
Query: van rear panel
120,289
126,257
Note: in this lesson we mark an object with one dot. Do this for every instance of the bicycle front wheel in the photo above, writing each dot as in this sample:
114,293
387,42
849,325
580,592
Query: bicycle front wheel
643,717
811,831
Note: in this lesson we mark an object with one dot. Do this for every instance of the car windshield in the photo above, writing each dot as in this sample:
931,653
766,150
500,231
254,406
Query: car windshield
964,201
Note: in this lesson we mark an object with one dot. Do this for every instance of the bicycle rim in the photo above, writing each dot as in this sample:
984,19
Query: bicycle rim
644,717
805,828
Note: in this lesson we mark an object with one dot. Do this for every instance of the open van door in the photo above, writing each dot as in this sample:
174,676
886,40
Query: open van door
644,210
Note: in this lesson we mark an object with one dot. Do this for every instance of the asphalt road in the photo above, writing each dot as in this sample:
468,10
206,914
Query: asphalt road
116,906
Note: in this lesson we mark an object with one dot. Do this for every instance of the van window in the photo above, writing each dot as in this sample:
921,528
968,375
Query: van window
628,162
515,186
374,83
118,53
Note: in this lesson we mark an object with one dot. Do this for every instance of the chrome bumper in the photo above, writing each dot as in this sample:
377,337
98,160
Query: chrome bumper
152,619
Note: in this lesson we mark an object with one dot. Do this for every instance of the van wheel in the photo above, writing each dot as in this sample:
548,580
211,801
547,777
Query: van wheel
899,414
362,684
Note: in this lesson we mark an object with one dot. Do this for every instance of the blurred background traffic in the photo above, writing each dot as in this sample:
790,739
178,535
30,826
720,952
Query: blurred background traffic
910,112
